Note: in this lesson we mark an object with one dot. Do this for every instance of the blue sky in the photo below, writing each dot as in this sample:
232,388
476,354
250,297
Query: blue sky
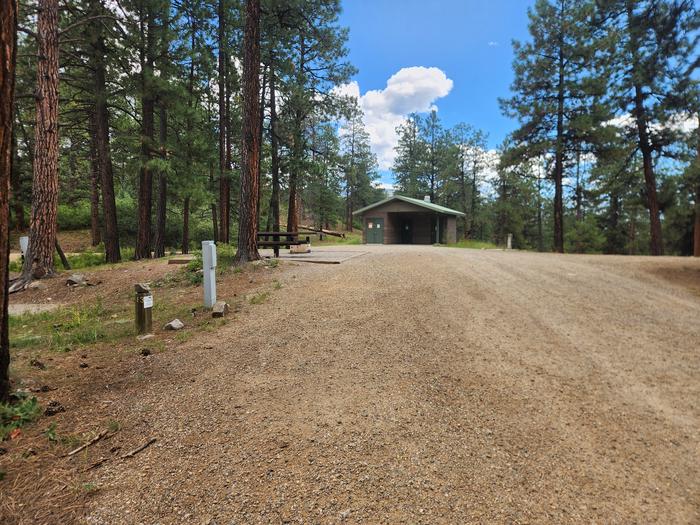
468,41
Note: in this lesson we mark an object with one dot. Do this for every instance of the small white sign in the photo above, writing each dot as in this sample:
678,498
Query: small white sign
148,301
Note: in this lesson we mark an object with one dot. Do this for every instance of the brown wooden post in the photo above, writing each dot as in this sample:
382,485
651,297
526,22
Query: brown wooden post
144,309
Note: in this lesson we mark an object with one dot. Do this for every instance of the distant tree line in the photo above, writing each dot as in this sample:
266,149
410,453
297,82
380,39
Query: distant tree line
607,95
605,156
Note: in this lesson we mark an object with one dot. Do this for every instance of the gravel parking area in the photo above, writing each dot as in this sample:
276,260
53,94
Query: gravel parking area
426,385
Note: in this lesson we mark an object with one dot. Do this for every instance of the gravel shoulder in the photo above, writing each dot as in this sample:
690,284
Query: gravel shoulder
426,385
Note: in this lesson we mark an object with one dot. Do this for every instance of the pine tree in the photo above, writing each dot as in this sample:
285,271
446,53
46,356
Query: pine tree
654,56
410,158
250,156
38,261
8,53
552,98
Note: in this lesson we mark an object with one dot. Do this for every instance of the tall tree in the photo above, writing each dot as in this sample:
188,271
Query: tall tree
250,167
101,129
654,54
164,59
224,180
147,51
38,261
8,50
695,174
409,160
554,90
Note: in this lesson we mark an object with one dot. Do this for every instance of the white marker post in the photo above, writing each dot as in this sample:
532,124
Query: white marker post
209,269
23,245
509,244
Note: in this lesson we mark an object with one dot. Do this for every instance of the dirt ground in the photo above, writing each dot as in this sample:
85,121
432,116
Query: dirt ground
413,385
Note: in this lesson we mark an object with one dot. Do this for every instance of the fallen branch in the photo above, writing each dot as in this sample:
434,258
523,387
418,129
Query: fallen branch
139,449
86,445
326,232
96,464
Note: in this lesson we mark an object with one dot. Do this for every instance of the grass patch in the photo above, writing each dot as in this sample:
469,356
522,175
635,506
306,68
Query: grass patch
64,329
87,259
473,245
350,238
260,298
16,415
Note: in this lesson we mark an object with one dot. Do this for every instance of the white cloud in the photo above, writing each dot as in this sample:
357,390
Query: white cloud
493,43
411,89
682,123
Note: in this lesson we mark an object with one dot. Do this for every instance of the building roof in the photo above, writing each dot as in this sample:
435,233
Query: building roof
423,204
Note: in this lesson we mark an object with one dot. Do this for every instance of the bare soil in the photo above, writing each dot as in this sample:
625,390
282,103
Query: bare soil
408,385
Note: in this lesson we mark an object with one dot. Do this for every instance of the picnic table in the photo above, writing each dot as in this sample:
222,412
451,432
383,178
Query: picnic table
290,239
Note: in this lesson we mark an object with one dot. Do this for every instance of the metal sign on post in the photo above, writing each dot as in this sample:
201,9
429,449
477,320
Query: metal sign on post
144,309
209,269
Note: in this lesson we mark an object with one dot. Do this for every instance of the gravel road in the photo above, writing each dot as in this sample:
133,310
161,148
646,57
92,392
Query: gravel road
427,385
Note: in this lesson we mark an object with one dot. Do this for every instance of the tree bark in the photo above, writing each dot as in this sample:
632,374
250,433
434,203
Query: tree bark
224,181
143,239
103,153
214,222
274,213
94,186
656,241
250,168
696,232
297,147
38,262
186,225
8,53
559,156
161,205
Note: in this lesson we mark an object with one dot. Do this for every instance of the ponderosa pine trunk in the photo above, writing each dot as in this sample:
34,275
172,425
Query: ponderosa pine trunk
298,154
696,232
263,97
38,262
250,169
161,204
186,226
656,245
224,181
274,212
104,150
163,67
103,153
94,186
559,156
8,53
143,238
297,147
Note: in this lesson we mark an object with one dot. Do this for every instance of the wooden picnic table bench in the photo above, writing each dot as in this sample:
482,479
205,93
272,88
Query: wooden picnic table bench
290,239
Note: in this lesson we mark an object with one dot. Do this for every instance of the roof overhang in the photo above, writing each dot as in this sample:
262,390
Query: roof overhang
416,202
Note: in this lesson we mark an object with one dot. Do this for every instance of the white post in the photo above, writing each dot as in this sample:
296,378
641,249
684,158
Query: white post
509,245
209,269
23,245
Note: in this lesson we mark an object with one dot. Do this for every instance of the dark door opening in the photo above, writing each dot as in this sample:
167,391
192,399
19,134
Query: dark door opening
406,231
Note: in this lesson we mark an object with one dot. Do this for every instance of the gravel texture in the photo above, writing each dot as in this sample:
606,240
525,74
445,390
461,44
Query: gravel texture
426,385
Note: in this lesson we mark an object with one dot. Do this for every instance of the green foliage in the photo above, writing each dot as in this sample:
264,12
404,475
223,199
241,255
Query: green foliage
64,329
585,237
16,415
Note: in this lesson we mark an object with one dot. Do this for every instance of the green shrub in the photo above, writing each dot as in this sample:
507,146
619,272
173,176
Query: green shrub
74,216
